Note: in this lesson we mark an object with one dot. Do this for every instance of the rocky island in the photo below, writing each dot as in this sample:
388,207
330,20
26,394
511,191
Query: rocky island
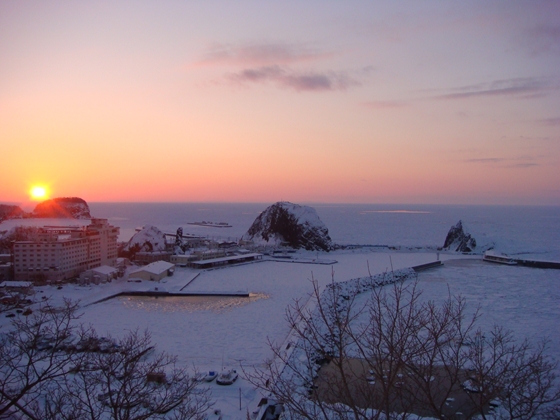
289,224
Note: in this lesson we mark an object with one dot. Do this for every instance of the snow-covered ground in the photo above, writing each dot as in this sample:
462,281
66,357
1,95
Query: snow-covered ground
211,333
208,333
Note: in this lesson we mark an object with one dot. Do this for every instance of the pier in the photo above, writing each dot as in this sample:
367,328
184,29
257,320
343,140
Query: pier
427,266
538,264
164,293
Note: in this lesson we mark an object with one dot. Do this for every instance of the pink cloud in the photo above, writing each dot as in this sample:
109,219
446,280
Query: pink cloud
521,87
299,81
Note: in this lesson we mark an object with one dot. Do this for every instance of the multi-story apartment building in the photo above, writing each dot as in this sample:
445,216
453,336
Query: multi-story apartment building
56,253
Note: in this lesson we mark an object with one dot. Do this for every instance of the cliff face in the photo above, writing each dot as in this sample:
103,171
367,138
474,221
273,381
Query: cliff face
291,224
10,212
459,240
64,207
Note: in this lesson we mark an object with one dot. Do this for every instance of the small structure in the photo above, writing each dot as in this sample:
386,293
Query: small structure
98,275
146,257
184,259
17,286
495,257
216,262
155,271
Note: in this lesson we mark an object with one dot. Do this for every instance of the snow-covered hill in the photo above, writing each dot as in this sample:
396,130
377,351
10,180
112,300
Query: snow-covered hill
149,239
10,212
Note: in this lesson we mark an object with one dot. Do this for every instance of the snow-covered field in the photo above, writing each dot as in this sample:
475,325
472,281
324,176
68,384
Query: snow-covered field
232,332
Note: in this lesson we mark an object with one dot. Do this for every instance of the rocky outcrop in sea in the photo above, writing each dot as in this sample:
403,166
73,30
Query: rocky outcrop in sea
8,211
458,239
63,207
292,225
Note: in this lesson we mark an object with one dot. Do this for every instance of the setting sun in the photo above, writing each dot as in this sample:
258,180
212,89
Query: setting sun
38,193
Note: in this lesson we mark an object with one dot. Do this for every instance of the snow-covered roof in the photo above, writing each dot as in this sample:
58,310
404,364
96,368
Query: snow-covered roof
224,259
16,284
156,267
104,269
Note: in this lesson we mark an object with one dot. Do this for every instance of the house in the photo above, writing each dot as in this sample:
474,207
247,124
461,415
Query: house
155,271
102,274
17,286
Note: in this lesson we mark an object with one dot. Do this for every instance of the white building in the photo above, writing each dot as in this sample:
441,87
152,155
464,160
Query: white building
155,271
60,252
101,274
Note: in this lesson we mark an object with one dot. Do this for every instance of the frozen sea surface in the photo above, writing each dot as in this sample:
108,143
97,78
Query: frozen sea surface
517,230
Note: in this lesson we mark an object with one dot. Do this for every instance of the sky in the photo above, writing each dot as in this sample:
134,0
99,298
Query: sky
258,101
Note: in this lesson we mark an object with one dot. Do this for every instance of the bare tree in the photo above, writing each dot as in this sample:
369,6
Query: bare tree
388,353
31,356
518,374
131,381
51,367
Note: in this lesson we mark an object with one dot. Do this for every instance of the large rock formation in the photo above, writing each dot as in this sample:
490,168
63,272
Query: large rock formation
458,239
292,225
10,212
64,207
149,239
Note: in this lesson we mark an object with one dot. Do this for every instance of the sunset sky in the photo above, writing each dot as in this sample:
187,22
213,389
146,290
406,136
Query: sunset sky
258,101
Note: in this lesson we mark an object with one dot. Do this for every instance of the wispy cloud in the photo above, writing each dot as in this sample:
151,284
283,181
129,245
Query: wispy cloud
549,121
299,81
523,165
543,39
484,160
260,54
277,63
521,87
518,162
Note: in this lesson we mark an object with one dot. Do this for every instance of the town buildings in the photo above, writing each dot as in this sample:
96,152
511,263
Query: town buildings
55,253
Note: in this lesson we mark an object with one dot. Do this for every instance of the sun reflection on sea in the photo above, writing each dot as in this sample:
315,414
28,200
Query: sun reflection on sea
216,304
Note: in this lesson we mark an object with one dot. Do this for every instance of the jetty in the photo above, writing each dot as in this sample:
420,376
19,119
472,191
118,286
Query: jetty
427,266
538,263
210,224
165,293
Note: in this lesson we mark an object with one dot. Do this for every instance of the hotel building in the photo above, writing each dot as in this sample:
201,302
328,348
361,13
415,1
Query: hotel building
55,253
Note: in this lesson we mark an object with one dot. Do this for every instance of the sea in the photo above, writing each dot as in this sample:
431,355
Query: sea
521,231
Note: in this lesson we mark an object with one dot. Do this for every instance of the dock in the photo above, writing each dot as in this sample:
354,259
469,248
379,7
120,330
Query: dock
427,266
164,293
538,264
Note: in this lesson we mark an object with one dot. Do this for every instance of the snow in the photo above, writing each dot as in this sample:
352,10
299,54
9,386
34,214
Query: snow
304,214
148,235
104,269
157,267
214,332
